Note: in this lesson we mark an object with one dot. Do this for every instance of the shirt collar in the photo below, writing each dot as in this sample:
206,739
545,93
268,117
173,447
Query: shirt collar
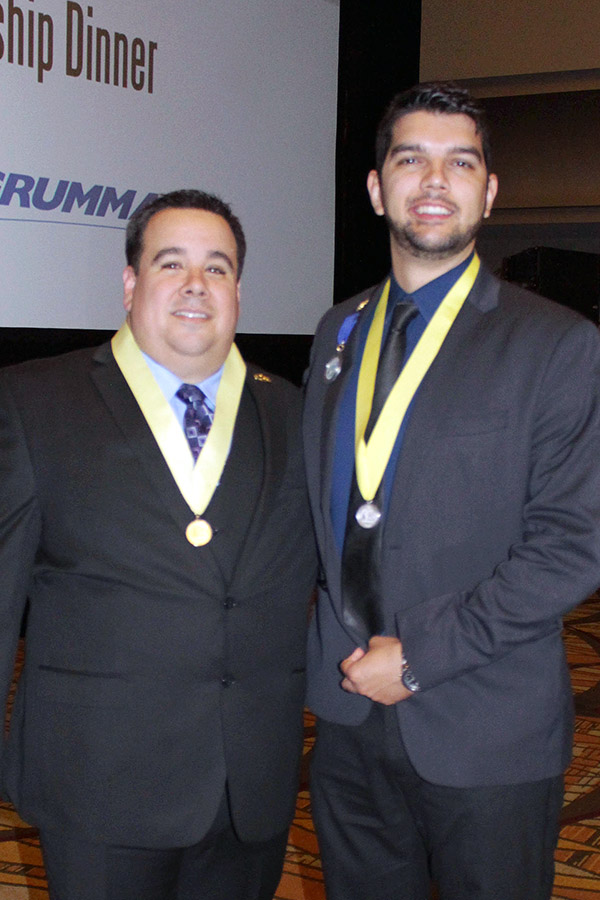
169,383
429,297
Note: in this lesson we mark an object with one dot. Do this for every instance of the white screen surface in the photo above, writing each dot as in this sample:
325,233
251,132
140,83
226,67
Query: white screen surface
236,97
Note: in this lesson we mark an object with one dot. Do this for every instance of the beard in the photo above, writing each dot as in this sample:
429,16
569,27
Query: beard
407,238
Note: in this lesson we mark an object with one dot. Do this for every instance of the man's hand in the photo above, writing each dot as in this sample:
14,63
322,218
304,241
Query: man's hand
376,672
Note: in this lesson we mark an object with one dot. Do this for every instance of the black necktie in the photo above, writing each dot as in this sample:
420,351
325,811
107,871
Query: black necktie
390,360
361,555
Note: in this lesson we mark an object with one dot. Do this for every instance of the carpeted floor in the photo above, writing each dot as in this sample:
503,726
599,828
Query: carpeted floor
22,874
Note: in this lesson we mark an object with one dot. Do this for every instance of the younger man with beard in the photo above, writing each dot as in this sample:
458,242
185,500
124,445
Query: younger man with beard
457,509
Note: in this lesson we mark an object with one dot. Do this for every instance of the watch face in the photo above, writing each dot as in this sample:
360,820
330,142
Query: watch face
410,682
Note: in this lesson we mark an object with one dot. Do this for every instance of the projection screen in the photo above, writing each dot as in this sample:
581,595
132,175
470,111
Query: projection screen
102,105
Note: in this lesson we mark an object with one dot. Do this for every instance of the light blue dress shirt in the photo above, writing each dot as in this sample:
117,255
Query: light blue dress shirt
170,384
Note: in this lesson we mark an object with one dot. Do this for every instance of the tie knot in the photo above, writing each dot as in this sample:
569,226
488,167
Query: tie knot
404,311
191,395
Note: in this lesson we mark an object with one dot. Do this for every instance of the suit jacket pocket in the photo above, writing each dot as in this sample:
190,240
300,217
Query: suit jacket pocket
82,688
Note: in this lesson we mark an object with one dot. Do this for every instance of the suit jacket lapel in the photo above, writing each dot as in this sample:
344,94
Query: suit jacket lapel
274,447
485,291
431,398
120,401
333,392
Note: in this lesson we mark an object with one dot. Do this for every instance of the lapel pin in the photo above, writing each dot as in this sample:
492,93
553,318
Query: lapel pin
333,368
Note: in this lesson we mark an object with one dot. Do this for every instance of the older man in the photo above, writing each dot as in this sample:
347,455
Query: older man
153,510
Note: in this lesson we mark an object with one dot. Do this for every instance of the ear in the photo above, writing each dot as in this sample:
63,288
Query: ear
374,189
129,281
490,196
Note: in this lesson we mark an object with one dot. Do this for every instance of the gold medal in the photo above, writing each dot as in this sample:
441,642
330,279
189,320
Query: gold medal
199,532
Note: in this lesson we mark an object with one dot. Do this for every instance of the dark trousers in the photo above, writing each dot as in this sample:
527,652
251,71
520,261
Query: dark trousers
386,834
220,866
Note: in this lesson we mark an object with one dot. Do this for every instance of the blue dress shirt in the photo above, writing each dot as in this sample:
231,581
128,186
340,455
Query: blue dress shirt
170,384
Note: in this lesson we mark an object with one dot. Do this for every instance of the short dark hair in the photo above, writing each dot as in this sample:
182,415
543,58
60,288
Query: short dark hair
438,97
184,199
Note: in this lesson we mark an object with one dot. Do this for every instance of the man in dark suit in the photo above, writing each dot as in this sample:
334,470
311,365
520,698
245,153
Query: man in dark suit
453,539
157,728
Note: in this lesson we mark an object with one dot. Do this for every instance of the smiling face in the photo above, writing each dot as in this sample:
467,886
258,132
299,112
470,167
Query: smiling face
183,303
434,189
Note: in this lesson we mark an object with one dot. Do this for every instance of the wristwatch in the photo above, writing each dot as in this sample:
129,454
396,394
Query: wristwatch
408,679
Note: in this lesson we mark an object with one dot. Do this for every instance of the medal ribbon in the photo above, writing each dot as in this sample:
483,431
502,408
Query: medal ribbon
198,482
372,457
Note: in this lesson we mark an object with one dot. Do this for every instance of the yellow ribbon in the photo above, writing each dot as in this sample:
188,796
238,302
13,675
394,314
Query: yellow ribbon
372,457
198,482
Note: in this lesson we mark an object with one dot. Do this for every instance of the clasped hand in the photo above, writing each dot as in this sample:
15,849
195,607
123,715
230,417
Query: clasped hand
376,672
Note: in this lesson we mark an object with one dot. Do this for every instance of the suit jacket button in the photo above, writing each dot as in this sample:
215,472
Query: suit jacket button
229,603
227,680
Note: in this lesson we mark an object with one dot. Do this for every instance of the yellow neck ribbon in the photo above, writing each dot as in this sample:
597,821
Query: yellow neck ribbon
372,457
198,482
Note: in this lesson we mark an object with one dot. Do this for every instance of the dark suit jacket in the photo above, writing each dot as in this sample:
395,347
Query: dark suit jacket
493,533
154,670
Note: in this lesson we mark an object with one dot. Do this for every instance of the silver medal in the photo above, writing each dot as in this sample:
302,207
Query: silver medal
333,368
368,515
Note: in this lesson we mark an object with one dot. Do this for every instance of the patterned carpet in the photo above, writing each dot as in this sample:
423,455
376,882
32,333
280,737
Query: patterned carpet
22,874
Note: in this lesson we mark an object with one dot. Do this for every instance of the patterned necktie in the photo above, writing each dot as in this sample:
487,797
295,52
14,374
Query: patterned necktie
197,419
361,555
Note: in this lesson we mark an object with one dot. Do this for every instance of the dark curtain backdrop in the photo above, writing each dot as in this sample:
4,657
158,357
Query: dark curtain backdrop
379,56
